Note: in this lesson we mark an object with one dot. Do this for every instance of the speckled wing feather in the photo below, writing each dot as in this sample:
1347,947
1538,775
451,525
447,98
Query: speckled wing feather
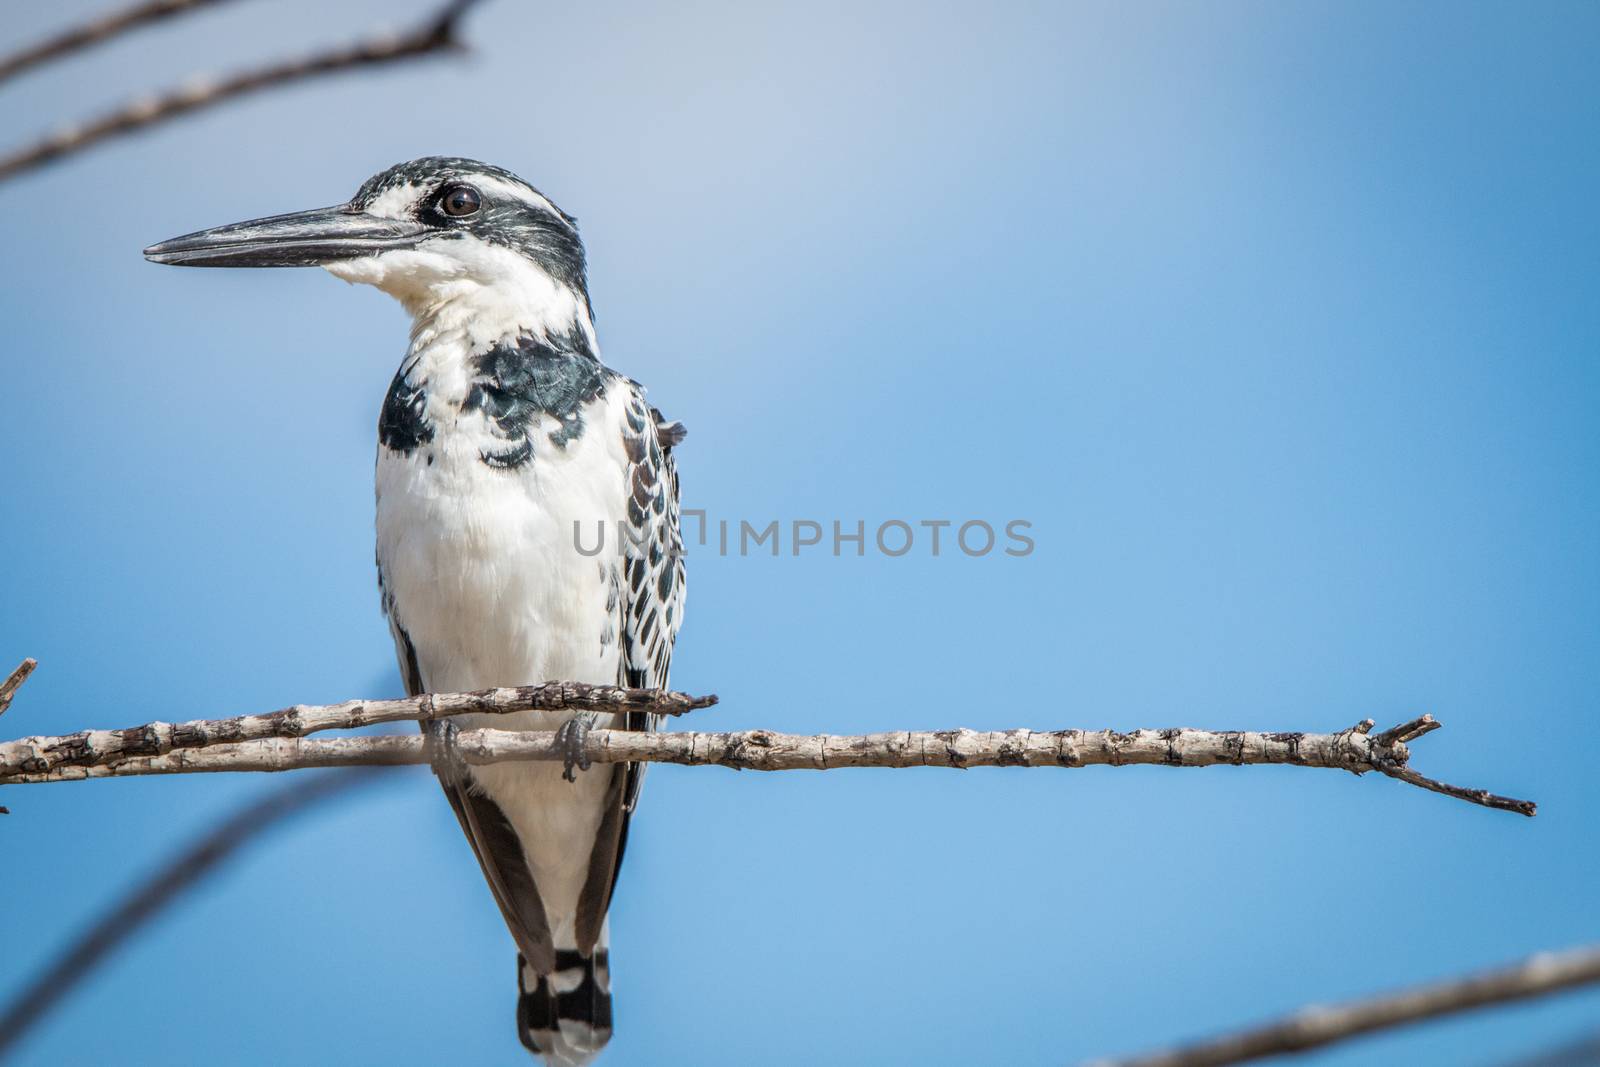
652,573
647,596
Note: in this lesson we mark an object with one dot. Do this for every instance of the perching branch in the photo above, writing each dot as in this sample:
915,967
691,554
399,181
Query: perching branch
275,742
1309,1028
90,748
436,36
98,29
159,892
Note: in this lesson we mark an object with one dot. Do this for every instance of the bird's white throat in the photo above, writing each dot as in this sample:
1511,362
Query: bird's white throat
463,287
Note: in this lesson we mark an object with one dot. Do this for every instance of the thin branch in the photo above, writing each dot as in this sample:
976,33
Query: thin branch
8,691
146,901
87,748
9,687
436,36
762,750
98,29
1536,976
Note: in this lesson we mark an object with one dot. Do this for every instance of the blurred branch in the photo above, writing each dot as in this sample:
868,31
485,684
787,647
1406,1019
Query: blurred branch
158,893
275,742
97,29
1582,1052
436,36
1314,1027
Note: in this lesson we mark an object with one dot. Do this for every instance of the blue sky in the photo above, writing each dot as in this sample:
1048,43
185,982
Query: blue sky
1276,321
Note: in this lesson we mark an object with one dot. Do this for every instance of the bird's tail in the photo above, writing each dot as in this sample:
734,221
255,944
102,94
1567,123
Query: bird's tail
565,1016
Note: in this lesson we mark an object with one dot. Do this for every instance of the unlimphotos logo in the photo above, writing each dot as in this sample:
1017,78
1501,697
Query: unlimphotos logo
794,537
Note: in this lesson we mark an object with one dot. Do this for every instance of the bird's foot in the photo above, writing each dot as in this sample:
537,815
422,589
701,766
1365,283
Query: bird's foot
572,739
444,754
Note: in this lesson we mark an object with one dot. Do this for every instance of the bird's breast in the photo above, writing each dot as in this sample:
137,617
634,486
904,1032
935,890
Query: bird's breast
480,558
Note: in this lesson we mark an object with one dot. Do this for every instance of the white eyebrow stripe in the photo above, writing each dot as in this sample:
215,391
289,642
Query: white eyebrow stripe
518,191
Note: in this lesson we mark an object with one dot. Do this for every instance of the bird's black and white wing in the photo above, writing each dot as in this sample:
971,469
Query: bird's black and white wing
652,577
572,1007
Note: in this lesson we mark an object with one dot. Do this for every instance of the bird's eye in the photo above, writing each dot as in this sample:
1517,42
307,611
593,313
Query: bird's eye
459,200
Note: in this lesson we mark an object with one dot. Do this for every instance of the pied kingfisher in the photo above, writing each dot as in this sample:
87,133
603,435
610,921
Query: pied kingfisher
502,434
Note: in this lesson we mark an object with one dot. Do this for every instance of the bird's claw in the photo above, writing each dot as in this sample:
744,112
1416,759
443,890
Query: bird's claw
572,738
444,755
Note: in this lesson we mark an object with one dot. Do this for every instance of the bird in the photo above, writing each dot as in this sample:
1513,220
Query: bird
501,437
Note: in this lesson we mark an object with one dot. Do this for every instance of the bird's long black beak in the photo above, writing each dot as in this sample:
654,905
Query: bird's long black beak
302,239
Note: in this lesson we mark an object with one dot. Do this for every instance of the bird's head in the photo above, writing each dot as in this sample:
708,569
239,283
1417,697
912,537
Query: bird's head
440,234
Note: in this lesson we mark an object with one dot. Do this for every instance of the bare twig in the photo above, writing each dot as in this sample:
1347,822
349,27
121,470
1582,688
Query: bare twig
1352,750
1536,976
100,28
9,687
87,748
436,36
159,892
